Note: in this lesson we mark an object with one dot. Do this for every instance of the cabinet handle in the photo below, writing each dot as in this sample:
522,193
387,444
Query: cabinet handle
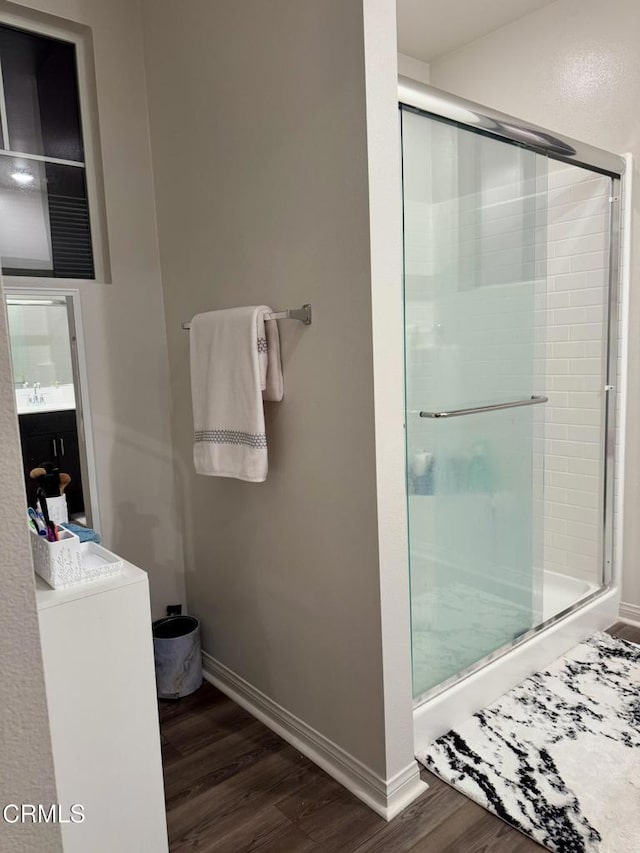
55,449
62,447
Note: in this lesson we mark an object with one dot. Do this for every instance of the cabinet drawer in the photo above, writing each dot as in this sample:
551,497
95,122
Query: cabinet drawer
40,423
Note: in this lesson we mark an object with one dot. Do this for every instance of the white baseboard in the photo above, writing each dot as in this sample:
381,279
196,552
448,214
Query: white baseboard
387,797
629,613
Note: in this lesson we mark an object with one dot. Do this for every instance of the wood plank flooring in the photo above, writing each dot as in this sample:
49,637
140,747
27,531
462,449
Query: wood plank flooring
231,785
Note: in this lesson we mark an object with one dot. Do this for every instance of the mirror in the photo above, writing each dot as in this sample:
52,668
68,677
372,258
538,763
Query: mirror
46,378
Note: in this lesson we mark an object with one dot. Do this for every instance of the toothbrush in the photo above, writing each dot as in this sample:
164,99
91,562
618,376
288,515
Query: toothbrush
37,523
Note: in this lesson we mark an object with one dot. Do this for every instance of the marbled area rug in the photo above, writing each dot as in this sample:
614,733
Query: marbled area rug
558,757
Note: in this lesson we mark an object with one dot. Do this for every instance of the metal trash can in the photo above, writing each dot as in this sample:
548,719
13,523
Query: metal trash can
176,647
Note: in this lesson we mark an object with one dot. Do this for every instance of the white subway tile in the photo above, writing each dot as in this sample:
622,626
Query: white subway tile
586,332
561,175
567,383
576,416
559,432
570,315
597,277
584,566
557,400
557,365
571,349
578,245
584,433
559,195
584,466
568,281
581,482
589,296
556,495
597,188
586,400
573,545
589,261
584,366
556,333
556,525
561,299
595,348
582,499
561,266
554,556
581,530
582,449
571,512
593,383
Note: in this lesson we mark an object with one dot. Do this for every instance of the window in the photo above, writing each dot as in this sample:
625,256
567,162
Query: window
44,209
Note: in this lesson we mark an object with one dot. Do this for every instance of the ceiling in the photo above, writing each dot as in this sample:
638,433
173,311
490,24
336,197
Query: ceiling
429,28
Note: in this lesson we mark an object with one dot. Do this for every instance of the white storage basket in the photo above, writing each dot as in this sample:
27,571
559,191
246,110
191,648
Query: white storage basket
58,563
68,561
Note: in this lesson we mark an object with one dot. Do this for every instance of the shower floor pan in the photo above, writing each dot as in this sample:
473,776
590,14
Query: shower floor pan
560,592
572,610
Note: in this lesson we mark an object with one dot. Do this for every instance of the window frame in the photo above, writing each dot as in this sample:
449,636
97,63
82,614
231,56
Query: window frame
80,36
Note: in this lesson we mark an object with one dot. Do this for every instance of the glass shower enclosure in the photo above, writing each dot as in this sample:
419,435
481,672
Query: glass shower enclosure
509,274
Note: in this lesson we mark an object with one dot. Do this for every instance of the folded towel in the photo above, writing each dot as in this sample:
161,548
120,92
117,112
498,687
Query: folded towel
235,364
84,534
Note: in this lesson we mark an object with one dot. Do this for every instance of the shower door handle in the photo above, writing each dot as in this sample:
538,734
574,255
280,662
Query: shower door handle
456,413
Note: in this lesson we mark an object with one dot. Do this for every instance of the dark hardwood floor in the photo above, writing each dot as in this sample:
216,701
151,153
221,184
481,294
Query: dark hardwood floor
232,785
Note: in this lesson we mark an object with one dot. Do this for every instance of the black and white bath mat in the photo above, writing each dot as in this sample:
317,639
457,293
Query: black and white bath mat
558,757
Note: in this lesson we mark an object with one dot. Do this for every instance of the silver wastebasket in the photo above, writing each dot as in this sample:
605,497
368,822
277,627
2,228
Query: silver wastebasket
176,648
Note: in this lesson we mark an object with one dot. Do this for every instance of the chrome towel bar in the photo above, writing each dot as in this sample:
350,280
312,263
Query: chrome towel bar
456,413
303,314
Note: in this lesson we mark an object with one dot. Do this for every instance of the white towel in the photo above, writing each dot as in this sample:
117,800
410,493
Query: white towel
235,364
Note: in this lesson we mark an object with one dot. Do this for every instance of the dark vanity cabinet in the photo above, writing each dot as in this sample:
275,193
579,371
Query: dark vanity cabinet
53,437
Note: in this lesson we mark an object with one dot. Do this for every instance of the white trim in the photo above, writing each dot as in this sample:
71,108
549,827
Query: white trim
629,613
7,152
387,331
94,175
4,122
39,23
19,289
623,379
85,402
387,797
35,283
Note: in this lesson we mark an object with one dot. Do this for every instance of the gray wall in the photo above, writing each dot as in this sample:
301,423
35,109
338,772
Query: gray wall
259,146
25,744
572,66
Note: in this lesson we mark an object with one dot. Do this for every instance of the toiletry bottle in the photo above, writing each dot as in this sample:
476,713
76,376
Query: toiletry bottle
422,464
479,468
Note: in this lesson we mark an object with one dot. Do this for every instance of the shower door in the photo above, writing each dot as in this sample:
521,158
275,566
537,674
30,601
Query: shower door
475,283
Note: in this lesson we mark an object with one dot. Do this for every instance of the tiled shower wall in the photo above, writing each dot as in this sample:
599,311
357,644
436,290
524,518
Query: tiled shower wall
572,314
572,259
